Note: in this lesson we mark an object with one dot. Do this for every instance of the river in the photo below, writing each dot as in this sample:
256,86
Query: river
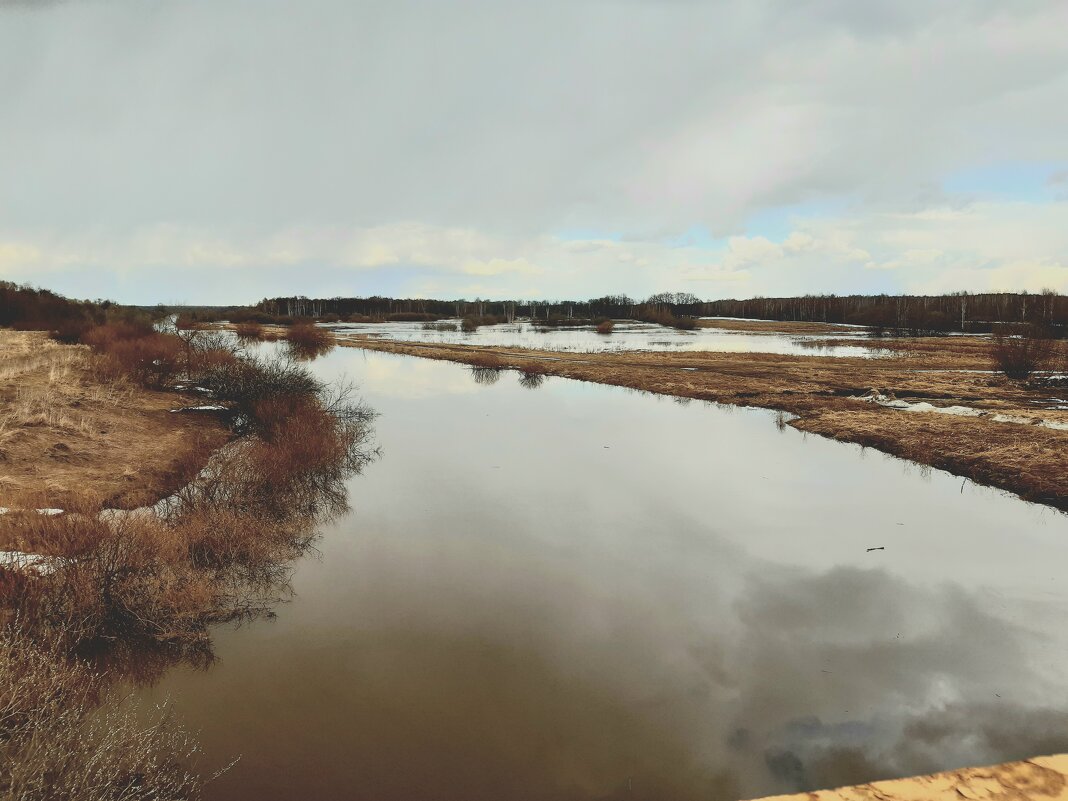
572,591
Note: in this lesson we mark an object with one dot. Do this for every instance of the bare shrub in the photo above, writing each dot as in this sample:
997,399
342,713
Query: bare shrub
307,340
665,317
250,331
147,356
1018,356
472,323
56,744
250,380
606,326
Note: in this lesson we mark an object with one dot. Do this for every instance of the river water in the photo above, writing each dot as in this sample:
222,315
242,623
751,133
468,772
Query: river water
626,336
572,591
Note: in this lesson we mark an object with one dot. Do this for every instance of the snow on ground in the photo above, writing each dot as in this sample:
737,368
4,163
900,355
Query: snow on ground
890,402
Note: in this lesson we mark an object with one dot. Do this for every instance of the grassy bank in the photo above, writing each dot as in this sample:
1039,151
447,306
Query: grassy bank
69,425
825,396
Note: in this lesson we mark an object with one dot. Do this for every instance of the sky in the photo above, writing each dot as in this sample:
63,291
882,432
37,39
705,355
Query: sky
222,151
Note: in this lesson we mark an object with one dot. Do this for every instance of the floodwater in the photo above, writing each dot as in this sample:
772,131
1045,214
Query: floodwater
558,590
626,336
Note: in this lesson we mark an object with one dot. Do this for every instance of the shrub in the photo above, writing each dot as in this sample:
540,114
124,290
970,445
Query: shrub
1018,356
137,351
307,340
473,322
55,745
662,316
248,381
606,327
70,332
249,330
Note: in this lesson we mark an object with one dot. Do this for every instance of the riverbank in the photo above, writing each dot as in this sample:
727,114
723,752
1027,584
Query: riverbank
935,402
1037,779
67,431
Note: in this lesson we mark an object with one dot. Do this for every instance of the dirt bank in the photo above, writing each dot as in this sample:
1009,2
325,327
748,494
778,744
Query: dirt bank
67,431
996,432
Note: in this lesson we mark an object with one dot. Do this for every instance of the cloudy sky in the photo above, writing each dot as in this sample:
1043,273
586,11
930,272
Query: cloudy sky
224,150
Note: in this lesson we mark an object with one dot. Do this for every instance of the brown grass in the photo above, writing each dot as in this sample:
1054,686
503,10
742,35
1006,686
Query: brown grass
70,424
57,745
822,392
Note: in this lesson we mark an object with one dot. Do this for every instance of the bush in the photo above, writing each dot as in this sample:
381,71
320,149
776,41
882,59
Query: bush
606,327
306,340
54,744
661,316
137,351
249,330
473,322
249,381
1020,355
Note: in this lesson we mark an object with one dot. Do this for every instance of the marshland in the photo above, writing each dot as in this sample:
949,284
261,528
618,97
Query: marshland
460,569
533,401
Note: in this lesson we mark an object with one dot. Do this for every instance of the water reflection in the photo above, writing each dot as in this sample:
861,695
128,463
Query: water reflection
625,336
531,380
595,608
486,375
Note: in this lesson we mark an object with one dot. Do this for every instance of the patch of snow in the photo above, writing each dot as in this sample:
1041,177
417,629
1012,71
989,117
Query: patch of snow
35,562
890,402
200,409
50,512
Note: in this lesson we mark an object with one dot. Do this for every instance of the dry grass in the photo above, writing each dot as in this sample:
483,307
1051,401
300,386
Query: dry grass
70,425
822,392
58,744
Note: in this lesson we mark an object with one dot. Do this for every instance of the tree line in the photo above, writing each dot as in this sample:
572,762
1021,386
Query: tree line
909,314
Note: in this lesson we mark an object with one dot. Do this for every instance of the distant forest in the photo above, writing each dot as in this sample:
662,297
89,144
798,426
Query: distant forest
912,314
30,308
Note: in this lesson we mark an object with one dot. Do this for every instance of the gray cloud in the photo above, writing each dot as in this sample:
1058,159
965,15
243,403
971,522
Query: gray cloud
511,118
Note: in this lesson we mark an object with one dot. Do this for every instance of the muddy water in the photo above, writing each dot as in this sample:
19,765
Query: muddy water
570,591
625,336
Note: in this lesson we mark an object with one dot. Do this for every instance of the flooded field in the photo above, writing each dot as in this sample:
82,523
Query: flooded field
625,336
538,597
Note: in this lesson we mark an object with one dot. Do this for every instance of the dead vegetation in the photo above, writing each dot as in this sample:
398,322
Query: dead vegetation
64,736
824,396
136,591
73,422
306,340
